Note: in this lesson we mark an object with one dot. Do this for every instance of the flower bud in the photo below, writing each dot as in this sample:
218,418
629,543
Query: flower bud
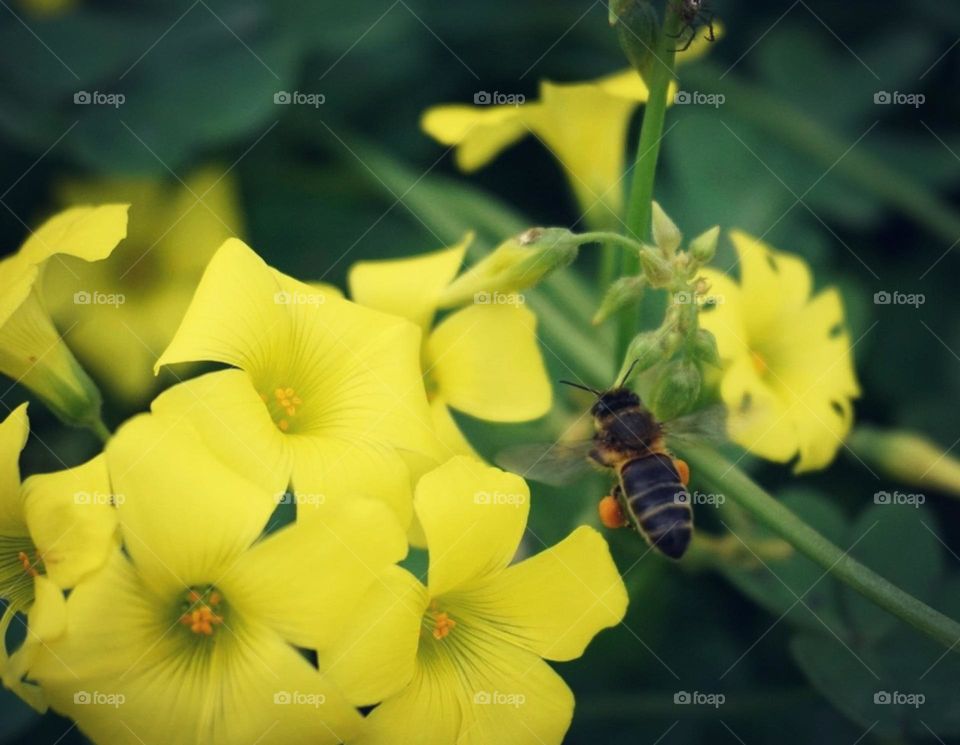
657,270
516,264
677,390
908,457
704,246
34,355
704,348
645,351
638,29
666,234
620,294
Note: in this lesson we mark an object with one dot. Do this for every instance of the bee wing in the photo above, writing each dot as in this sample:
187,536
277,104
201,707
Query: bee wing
711,424
715,424
557,463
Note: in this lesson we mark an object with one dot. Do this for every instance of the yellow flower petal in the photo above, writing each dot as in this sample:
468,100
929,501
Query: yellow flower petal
90,233
72,520
409,287
555,602
337,560
426,711
452,441
376,655
486,362
328,471
252,687
230,417
13,436
766,428
514,697
473,516
185,516
775,284
585,126
480,134
238,315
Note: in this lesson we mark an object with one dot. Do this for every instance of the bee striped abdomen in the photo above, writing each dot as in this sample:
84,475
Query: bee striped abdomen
658,504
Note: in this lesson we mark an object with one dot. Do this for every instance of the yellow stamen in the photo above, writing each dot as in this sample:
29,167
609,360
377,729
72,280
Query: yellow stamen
759,363
283,404
442,623
27,564
200,617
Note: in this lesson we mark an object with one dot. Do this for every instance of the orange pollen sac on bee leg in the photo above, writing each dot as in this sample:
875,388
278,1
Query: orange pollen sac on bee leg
683,470
611,515
201,616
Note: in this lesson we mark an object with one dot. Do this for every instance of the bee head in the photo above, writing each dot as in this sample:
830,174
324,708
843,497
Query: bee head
613,402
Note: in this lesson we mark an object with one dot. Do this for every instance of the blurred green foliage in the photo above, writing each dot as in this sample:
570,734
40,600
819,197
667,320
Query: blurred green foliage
797,656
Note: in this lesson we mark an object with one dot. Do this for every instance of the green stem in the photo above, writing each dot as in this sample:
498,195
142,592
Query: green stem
639,215
722,476
610,239
100,430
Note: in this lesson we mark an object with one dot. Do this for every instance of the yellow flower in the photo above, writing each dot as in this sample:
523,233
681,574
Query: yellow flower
583,124
323,392
788,359
55,529
123,311
466,653
192,630
31,350
482,360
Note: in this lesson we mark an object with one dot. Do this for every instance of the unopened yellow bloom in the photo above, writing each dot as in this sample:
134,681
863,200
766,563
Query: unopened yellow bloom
482,360
122,312
31,350
465,654
788,361
322,392
583,124
191,632
54,530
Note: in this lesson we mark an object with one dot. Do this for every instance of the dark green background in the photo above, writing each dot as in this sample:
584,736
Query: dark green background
200,93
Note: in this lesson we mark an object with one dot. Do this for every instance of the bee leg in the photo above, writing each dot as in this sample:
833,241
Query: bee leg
611,515
683,470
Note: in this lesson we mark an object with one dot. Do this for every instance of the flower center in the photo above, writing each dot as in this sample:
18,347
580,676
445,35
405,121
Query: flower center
202,610
438,622
282,405
759,363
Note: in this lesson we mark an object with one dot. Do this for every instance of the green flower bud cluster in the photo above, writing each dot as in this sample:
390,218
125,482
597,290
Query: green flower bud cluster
676,352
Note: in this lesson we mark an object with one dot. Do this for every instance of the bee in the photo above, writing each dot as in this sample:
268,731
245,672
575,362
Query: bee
691,12
650,494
